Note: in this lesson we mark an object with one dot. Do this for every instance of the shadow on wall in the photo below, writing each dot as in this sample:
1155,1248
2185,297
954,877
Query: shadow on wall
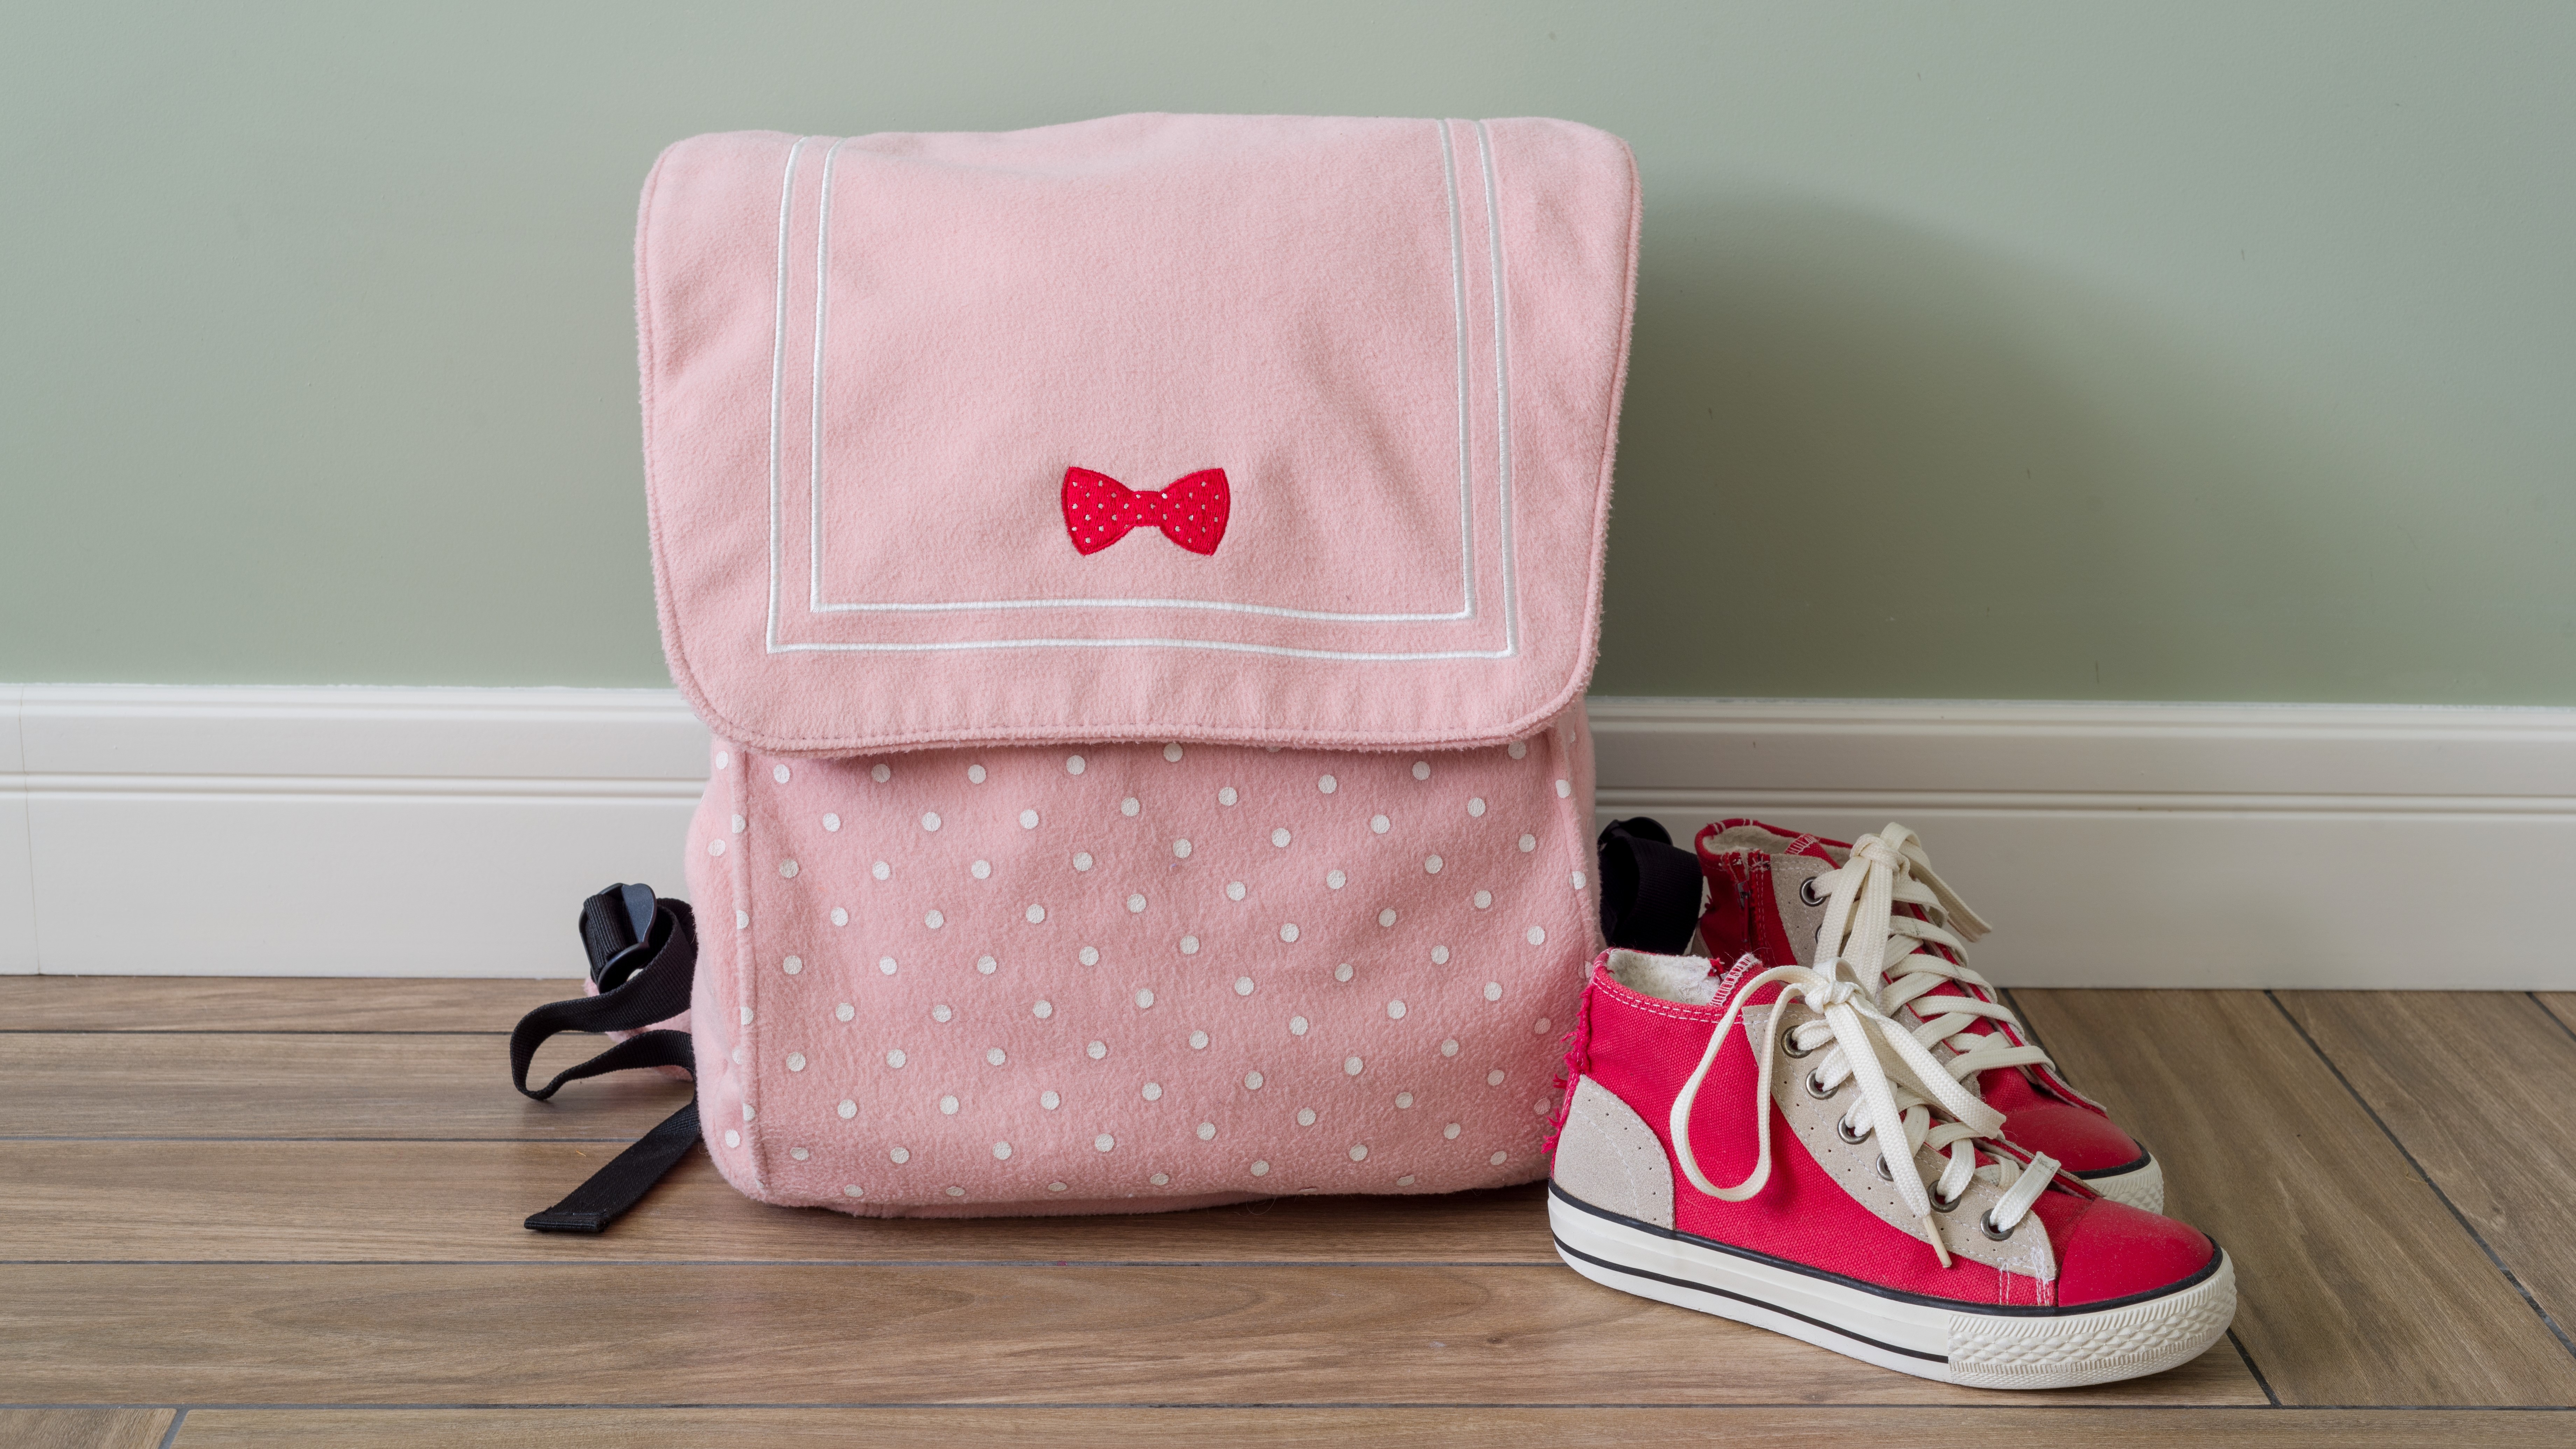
1862,460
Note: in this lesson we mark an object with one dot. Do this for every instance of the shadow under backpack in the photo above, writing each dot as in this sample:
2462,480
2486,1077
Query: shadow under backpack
1140,578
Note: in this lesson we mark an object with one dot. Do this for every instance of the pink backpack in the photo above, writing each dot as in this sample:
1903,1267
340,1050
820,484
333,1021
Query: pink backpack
1141,577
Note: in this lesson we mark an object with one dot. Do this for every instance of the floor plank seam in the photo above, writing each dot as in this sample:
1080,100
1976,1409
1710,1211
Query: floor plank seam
1056,1406
2555,1019
2254,1368
571,1259
2427,1178
2022,1018
170,1435
243,1032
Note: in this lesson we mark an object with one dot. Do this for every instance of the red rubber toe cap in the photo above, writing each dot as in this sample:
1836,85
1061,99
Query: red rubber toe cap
2109,1250
2081,1141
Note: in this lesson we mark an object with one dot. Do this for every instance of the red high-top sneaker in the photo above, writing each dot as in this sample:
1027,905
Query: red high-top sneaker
1877,904
1769,1147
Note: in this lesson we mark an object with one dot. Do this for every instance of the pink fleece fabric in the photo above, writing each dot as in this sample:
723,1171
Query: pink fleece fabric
869,364
1125,977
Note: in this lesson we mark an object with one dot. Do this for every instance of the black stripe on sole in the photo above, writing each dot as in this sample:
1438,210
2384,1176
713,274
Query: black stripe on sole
1838,1330
1894,1295
2137,1164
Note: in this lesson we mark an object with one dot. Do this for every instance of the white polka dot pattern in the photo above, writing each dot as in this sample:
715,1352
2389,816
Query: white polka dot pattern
1145,898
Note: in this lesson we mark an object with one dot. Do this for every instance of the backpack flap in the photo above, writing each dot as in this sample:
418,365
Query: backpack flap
1257,430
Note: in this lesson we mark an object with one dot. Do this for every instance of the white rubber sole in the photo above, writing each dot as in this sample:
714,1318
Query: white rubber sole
2140,1187
1948,1342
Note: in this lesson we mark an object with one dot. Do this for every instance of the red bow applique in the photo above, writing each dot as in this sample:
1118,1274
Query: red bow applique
1099,510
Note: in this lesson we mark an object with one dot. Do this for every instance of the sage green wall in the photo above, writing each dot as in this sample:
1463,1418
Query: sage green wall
2005,350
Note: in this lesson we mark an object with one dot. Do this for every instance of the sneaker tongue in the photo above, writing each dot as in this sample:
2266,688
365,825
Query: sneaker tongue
1799,843
1817,848
1811,846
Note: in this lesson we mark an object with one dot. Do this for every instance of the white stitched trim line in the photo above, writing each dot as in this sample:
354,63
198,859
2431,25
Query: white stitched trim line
1502,395
1458,313
814,451
777,365
1218,644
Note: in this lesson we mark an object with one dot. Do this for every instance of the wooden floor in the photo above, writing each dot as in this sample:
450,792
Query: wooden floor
287,1213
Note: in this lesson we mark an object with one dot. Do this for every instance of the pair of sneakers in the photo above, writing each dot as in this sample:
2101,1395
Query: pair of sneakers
1821,1122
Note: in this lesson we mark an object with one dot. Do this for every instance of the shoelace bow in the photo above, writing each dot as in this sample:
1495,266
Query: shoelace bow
1861,925
1898,1106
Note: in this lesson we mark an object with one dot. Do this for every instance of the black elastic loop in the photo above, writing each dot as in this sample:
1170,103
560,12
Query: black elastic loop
656,991
591,1207
1650,888
644,1049
641,982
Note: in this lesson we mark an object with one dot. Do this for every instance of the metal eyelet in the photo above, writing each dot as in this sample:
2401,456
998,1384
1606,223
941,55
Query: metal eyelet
1789,1044
1818,1090
1883,1172
1986,1225
1952,1205
1807,892
1843,1130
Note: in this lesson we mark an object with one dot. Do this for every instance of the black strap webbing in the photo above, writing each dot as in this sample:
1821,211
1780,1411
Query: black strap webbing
1650,888
591,1207
656,990
644,976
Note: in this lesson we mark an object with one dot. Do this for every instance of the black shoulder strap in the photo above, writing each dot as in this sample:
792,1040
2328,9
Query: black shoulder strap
1650,888
643,956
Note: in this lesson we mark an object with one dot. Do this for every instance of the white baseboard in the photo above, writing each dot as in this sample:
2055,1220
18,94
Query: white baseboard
2309,846
338,832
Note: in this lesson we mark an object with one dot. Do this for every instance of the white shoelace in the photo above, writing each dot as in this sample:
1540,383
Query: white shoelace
1897,1100
1861,926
